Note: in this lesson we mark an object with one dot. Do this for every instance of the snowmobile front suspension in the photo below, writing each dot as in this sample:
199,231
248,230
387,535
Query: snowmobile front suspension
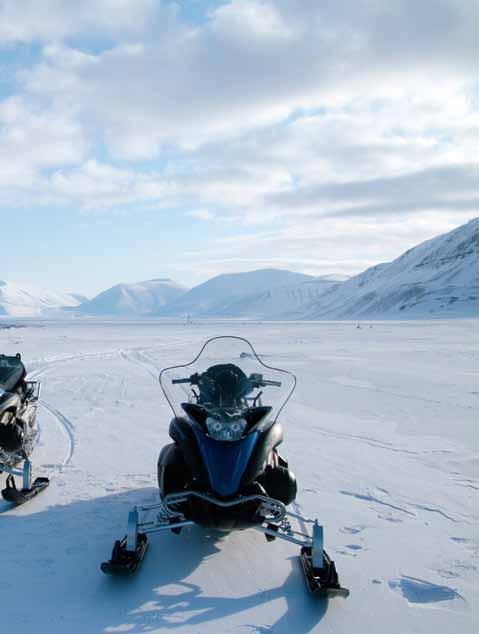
319,570
128,553
25,473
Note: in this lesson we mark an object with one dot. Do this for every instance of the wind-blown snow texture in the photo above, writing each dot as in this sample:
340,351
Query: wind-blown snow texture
438,278
382,433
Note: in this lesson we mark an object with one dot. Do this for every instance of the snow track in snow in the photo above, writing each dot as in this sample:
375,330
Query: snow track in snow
66,426
135,357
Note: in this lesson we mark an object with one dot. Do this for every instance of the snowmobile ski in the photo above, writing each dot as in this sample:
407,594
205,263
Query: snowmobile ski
322,582
123,562
20,496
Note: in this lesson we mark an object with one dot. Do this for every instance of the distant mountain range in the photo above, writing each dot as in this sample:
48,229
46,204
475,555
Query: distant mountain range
238,295
438,278
25,301
142,298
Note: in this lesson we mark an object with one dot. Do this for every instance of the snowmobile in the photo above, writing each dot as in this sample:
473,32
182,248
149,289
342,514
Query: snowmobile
223,470
18,429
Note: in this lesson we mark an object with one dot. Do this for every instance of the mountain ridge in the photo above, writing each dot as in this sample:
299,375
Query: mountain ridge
439,277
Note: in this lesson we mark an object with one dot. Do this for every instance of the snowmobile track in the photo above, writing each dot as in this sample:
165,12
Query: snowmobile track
49,364
67,428
134,357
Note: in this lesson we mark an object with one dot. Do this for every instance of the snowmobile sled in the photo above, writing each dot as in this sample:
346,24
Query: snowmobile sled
223,470
18,429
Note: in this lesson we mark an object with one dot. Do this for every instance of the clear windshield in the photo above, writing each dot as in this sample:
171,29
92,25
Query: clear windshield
228,377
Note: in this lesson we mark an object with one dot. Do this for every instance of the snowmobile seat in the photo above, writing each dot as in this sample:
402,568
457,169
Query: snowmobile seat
12,372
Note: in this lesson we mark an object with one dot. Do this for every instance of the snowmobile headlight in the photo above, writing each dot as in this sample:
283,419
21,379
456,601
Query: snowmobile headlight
225,429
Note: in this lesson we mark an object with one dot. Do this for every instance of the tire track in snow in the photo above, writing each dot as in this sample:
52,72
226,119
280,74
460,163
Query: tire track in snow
49,364
130,357
372,442
67,427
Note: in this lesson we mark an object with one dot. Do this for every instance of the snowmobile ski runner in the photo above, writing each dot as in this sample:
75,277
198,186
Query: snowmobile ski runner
18,430
223,470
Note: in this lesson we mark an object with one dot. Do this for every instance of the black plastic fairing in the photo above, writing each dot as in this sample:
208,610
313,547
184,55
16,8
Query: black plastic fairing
270,438
182,433
196,412
254,415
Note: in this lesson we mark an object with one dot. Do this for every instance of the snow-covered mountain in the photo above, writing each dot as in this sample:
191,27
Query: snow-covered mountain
282,302
142,298
251,294
27,301
438,278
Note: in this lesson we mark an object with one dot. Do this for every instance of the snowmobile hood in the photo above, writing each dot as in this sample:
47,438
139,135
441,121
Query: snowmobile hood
225,462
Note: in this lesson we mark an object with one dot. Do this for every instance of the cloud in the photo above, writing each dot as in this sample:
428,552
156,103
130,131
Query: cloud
331,133
191,86
32,21
451,187
201,214
32,140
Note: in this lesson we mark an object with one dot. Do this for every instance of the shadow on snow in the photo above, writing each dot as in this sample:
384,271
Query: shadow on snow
51,578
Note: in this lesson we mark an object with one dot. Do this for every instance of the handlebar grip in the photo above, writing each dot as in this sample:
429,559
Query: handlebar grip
176,381
273,383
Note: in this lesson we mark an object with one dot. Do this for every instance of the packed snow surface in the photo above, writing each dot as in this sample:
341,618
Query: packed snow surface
382,433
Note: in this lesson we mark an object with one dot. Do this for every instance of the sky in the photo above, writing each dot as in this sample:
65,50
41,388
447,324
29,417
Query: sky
148,138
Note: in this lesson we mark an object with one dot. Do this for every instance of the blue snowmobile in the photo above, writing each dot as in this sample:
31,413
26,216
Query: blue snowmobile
223,469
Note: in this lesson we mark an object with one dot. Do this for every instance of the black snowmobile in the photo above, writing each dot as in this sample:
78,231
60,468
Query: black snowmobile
18,429
223,469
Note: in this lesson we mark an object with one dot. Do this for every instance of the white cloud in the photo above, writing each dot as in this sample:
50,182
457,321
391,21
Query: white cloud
101,186
201,214
274,113
45,20
246,20
34,140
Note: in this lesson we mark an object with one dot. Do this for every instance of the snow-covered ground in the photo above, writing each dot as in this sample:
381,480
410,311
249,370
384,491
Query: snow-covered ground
383,434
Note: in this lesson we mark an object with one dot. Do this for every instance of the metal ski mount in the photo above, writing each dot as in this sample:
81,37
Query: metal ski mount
29,490
319,570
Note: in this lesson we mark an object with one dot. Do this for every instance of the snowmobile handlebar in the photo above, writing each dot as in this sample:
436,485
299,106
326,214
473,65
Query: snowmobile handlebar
256,379
265,382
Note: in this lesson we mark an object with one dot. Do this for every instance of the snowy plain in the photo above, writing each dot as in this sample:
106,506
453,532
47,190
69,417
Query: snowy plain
382,433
